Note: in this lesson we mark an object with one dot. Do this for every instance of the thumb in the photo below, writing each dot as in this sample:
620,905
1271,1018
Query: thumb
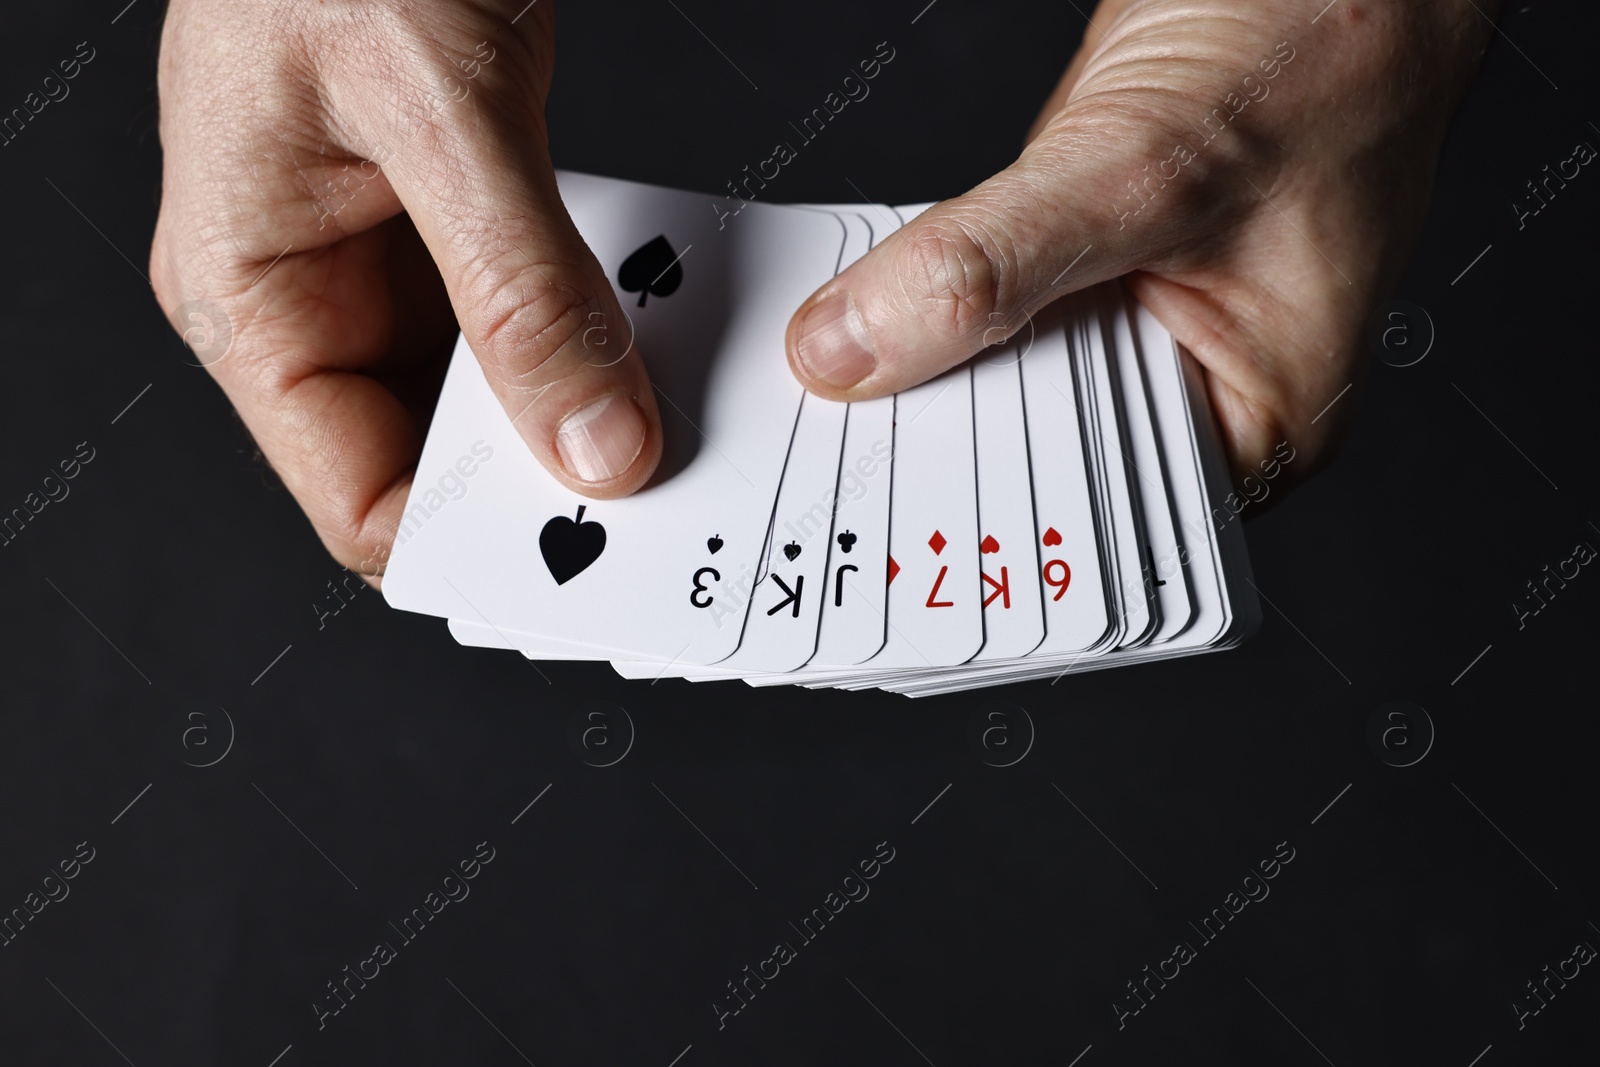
968,272
533,302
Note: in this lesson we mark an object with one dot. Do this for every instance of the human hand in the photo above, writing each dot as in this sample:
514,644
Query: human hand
343,182
1258,171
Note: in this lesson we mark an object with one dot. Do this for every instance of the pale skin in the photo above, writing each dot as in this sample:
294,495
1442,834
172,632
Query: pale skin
346,181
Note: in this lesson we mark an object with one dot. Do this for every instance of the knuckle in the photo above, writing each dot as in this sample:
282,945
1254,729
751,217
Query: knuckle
527,323
952,274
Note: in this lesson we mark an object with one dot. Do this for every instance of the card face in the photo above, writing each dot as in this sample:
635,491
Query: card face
933,524
1008,557
1121,503
1180,438
855,605
1077,616
785,639
1045,509
855,601
820,538
935,612
780,631
853,594
1241,602
1197,556
667,572
1170,585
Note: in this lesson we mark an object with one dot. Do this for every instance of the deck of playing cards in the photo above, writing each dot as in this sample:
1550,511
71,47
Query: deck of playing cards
1053,505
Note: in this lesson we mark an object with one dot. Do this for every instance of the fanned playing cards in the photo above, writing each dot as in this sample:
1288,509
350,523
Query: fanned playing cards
1045,508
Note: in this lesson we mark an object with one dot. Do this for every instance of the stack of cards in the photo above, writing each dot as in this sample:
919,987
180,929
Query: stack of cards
1043,509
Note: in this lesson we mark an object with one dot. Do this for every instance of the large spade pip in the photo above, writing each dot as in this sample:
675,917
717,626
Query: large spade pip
652,270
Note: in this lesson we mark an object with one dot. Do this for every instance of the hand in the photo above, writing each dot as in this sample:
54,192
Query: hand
1262,176
342,182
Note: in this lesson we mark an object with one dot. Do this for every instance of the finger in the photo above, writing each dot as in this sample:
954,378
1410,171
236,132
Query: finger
969,272
1282,371
536,308
307,336
324,323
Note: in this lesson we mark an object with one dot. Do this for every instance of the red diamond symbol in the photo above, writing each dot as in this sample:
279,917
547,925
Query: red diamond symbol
894,569
936,542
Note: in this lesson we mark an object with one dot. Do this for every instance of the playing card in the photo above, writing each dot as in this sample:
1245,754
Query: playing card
1013,613
1008,557
1069,572
1047,509
855,608
1076,603
774,639
1170,584
1176,390
1123,525
781,630
933,607
667,572
852,600
1242,604
854,603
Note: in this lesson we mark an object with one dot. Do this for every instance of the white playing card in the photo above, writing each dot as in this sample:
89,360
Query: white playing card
1243,604
1013,614
794,560
813,519
852,627
670,578
1151,479
1065,519
1198,552
1013,606
853,612
1174,389
933,538
1077,617
855,608
1125,529
853,592
935,615
1079,486
856,598
1175,386
780,630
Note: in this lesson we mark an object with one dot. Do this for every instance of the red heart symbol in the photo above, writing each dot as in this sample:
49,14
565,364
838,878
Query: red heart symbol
989,544
1051,537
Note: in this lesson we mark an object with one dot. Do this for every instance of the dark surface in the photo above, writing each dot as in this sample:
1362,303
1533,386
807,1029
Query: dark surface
606,926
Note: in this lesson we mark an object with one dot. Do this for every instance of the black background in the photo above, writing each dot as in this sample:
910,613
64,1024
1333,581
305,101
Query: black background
606,926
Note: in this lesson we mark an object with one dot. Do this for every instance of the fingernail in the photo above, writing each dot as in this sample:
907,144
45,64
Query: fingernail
599,442
834,344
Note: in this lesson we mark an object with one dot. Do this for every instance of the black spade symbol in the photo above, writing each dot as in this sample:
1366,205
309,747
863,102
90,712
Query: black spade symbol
791,550
569,546
847,541
714,544
653,269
